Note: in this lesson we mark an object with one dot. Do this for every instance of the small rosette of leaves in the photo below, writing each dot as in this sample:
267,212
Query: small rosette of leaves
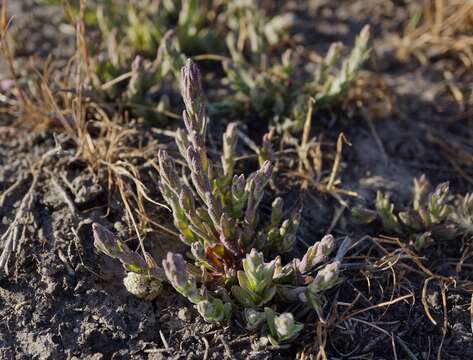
255,281
326,278
212,309
295,272
281,328
462,214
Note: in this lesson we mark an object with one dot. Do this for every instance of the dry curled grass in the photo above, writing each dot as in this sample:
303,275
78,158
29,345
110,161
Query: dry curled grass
108,143
445,27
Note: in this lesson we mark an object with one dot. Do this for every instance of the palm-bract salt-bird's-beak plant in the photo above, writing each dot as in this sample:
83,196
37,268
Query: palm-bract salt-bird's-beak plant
269,87
433,215
216,213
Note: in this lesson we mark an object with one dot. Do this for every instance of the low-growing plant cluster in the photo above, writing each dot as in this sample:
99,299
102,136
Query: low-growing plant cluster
216,213
131,28
242,261
142,43
433,215
134,51
274,89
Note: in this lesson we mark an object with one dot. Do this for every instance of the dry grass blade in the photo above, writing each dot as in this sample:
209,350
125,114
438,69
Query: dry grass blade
424,300
445,320
321,341
336,164
99,141
369,308
308,123
310,160
5,47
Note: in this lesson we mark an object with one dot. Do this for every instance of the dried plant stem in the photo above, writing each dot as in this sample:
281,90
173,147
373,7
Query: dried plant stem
336,163
445,320
16,230
308,123
14,187
424,300
115,81
304,147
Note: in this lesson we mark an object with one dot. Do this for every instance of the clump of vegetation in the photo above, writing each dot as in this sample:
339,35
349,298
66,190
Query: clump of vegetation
130,34
272,88
139,27
146,77
433,215
136,48
216,213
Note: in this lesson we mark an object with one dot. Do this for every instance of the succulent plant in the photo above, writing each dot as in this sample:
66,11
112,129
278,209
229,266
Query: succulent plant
268,88
282,328
433,215
216,214
210,308
108,243
326,278
329,86
462,214
256,286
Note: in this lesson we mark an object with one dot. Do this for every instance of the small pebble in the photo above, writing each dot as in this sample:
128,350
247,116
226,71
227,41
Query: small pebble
184,314
142,286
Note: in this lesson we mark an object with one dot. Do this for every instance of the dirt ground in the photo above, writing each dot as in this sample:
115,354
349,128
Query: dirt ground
62,300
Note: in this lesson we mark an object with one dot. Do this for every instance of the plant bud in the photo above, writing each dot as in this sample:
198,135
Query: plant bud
259,273
175,269
186,199
227,236
191,88
106,242
282,328
266,151
167,171
266,169
214,310
182,142
421,189
229,143
326,278
276,211
253,318
285,325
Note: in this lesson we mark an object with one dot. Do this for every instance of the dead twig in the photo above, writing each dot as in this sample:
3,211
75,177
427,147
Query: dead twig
228,351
